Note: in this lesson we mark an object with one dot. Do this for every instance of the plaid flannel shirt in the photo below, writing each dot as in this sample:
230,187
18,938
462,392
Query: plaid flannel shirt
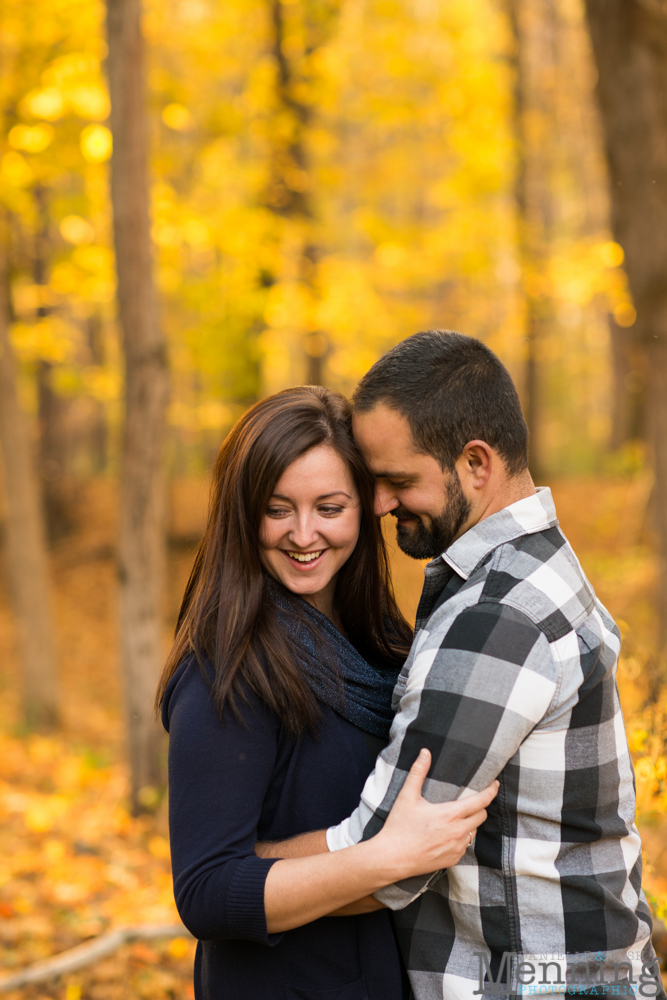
512,675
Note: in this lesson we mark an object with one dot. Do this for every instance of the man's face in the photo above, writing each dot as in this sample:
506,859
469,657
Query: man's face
430,505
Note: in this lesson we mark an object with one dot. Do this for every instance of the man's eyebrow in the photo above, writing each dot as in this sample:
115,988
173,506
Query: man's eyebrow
393,475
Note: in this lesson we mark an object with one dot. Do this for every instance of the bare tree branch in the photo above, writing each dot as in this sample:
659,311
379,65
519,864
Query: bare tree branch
89,952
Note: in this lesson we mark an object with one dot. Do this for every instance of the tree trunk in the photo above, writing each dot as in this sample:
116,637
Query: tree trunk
290,193
630,45
56,497
52,408
531,193
98,439
27,561
627,414
143,485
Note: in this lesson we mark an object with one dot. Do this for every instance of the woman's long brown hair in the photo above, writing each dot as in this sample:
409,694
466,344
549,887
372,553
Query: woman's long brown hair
226,616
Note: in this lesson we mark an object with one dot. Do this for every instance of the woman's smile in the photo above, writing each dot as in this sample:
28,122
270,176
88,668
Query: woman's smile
311,525
305,560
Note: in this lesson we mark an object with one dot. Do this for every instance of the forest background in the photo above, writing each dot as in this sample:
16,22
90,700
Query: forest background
320,178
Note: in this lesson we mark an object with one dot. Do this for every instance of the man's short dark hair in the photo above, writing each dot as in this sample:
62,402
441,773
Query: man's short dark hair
451,389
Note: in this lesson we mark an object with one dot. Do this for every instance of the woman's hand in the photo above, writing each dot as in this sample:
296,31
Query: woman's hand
420,837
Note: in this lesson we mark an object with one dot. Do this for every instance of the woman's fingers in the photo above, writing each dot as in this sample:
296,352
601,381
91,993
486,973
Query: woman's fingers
476,819
489,793
424,836
412,786
480,800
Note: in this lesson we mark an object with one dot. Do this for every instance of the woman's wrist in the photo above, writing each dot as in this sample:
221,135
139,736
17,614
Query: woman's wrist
386,860
299,890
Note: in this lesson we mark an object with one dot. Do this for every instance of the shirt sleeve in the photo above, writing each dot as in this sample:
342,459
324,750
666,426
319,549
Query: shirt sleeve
471,697
219,771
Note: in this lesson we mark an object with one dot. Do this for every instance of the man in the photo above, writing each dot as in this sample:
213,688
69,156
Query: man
511,675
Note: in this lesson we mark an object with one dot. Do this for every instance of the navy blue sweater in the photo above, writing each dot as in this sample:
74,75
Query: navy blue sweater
231,784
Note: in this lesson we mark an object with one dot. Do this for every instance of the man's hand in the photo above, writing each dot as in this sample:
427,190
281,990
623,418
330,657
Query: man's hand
303,846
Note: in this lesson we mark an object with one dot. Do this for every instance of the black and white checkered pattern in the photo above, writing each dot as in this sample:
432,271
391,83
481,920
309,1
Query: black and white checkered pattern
512,675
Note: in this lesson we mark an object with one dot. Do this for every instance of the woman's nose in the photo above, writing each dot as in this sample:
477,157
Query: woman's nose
304,532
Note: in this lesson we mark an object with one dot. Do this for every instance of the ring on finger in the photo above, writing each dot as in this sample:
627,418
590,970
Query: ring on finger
471,838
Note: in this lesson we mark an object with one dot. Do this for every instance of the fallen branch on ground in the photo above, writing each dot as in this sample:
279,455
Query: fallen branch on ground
89,952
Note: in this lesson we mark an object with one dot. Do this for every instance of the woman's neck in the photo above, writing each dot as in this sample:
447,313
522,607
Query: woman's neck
323,601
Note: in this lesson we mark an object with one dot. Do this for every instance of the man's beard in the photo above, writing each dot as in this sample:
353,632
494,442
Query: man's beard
421,542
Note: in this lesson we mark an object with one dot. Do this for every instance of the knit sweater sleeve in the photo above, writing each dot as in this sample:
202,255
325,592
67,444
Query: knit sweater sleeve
219,771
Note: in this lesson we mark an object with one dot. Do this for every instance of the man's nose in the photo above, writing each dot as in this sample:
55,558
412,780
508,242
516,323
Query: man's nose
384,500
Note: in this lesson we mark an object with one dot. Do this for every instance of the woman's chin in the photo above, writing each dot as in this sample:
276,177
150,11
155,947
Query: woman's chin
304,586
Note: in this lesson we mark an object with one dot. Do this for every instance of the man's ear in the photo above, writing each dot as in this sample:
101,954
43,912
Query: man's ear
475,464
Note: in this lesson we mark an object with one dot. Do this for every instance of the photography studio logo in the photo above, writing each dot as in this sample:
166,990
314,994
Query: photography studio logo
560,974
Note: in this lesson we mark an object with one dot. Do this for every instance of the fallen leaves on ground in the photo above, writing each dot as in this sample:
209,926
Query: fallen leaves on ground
74,864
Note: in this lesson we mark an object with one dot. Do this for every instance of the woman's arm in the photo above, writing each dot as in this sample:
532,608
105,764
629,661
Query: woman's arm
219,776
417,838
303,846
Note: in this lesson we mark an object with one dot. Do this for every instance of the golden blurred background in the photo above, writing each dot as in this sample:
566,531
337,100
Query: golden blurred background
205,202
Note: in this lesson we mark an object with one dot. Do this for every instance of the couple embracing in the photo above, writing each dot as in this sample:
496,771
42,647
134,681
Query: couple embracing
360,813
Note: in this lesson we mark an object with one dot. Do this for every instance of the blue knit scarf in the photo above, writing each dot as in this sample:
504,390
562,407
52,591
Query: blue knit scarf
358,690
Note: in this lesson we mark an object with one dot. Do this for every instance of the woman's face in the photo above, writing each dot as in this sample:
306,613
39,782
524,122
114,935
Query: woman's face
311,525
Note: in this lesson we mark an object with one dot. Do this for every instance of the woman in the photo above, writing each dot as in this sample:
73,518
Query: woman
277,698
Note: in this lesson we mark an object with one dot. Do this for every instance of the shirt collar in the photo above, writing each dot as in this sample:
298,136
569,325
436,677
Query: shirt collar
525,517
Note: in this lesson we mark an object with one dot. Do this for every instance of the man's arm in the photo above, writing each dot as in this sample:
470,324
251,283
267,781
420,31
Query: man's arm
416,838
471,697
302,846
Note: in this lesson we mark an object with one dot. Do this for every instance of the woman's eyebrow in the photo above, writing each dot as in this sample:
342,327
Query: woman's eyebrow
336,493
